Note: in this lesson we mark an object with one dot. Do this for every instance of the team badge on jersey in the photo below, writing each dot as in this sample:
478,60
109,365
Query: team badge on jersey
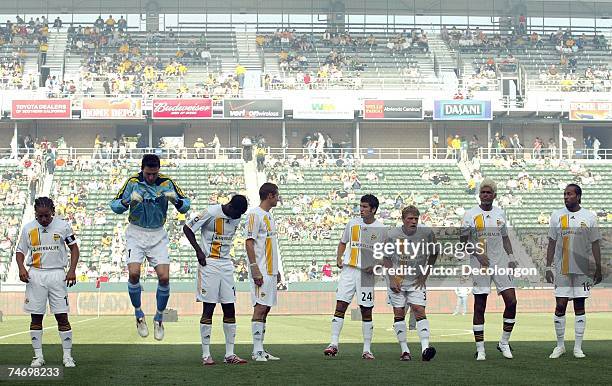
56,237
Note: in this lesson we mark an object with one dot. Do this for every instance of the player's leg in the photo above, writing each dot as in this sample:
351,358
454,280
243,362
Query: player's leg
336,327
36,333
559,322
422,324
269,356
35,304
257,327
65,333
399,326
229,329
367,328
478,320
509,296
58,304
205,331
161,296
579,325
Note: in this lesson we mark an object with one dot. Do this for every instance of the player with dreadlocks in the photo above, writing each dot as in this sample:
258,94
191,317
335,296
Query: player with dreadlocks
42,248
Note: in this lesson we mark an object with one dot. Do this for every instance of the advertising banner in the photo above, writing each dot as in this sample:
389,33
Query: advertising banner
325,108
462,110
253,108
196,108
590,111
41,109
112,108
393,109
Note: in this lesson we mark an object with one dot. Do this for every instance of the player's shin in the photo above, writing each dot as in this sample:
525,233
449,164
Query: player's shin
336,327
507,330
135,290
229,329
479,336
162,296
367,327
559,322
36,334
205,331
399,326
66,338
424,333
579,327
257,327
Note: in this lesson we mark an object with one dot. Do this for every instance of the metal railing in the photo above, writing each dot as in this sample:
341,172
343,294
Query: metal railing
532,153
571,85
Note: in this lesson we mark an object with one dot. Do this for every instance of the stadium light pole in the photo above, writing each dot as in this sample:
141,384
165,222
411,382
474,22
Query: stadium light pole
357,150
489,140
430,140
560,140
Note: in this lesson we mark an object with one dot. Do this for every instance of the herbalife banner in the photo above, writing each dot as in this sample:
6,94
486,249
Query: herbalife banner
253,108
325,108
462,110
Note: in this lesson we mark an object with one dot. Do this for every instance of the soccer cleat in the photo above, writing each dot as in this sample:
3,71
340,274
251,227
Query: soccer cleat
37,362
69,362
260,356
271,357
367,356
505,349
557,352
405,356
141,327
331,351
208,361
428,354
234,360
579,354
158,331
480,356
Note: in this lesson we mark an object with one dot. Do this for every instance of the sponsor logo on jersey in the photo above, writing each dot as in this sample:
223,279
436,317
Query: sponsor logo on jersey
56,237
583,224
263,294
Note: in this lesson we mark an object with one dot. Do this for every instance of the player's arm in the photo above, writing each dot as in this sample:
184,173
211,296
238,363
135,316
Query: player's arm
74,259
124,198
595,247
22,249
340,253
252,229
553,230
508,248
194,244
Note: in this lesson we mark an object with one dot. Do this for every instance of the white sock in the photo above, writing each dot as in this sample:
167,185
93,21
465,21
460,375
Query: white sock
263,337
229,329
66,338
479,328
36,336
257,329
368,330
336,328
506,334
560,330
400,332
579,327
424,333
205,330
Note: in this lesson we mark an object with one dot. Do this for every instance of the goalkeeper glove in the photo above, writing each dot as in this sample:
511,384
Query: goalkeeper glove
135,197
170,196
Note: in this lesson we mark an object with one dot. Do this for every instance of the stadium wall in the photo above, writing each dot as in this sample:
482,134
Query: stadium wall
296,302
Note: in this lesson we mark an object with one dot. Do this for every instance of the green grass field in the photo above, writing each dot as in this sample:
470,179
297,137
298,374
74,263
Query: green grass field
109,351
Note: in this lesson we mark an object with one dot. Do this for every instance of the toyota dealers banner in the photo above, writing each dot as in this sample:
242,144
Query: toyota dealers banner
325,108
590,111
182,108
393,109
111,108
41,109
463,110
253,108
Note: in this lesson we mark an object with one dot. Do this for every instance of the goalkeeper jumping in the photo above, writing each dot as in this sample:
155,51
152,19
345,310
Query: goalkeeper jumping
146,195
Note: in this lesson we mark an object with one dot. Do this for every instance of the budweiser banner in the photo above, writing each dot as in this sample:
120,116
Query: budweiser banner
112,108
393,109
253,108
41,109
182,108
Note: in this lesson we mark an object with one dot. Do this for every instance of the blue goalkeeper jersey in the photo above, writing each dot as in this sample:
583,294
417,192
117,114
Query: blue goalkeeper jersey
151,212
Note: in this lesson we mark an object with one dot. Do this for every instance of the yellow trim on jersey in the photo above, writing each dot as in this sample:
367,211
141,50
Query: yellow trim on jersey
199,280
215,248
479,224
565,250
355,233
179,191
35,242
251,222
268,246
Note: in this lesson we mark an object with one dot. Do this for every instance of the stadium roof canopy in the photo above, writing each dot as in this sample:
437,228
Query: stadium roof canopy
546,8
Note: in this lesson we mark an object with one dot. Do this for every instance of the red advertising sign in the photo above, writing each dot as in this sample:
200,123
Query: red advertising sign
41,109
182,108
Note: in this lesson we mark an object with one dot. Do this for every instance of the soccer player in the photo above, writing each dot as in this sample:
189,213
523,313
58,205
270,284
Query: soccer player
418,253
485,227
262,250
215,280
43,241
147,195
573,237
356,276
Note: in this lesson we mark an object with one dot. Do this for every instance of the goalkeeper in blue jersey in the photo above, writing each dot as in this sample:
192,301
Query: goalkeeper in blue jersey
147,195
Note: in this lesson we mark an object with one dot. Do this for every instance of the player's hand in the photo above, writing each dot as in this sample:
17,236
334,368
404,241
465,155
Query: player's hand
135,198
483,259
368,270
419,282
339,263
597,277
70,278
395,286
550,277
23,275
278,278
512,264
201,258
257,276
170,196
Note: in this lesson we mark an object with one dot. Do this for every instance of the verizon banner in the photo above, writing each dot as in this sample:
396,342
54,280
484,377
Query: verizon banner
393,109
41,109
182,108
112,108
253,108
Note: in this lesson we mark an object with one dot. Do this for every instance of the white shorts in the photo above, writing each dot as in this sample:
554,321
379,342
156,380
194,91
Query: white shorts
350,282
151,244
405,298
46,284
573,285
266,294
482,283
215,282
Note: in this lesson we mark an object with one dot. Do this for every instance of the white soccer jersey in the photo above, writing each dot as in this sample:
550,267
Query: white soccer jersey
45,248
574,232
261,228
216,231
419,246
360,238
486,228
